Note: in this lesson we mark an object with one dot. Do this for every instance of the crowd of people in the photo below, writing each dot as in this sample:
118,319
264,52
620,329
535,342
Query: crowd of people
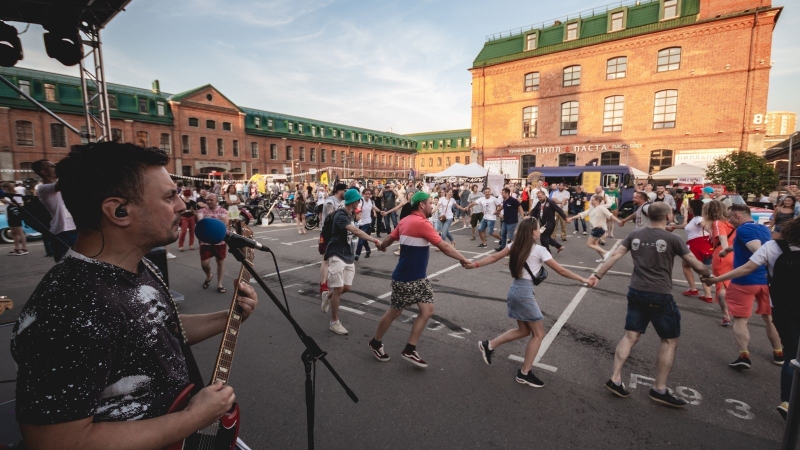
100,230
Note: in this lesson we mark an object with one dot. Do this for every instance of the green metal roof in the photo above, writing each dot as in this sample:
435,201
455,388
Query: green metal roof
642,17
280,129
436,141
69,98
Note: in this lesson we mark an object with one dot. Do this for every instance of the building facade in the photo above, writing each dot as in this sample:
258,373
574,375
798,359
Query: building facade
650,85
780,124
438,150
205,133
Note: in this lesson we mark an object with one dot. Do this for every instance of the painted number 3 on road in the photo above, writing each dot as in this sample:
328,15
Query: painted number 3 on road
692,397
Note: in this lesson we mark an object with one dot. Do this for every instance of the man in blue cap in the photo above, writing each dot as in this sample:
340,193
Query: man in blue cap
340,258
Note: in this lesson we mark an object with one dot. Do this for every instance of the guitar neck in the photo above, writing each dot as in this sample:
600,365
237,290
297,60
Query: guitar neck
222,368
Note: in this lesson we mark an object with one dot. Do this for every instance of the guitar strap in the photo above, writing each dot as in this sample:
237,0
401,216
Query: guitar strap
191,364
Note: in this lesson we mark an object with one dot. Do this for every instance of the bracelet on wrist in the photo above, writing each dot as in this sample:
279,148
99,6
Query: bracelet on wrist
476,264
597,276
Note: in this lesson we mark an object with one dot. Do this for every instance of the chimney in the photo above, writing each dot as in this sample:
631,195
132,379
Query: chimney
156,87
556,23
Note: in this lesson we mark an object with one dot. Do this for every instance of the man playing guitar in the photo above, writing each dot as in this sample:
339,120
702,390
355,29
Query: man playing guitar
101,348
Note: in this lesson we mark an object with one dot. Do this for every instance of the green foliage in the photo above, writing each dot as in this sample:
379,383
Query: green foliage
743,172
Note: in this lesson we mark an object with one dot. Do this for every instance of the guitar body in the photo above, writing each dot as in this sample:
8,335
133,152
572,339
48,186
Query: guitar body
220,435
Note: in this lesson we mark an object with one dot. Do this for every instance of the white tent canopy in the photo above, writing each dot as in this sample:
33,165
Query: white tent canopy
638,173
680,171
461,170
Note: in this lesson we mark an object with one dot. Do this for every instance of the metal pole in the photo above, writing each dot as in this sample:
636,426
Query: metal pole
789,170
86,105
100,74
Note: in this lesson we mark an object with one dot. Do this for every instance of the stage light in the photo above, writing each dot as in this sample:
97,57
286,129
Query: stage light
63,44
10,45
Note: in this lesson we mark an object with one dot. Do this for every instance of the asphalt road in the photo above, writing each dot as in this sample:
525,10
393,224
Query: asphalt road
458,401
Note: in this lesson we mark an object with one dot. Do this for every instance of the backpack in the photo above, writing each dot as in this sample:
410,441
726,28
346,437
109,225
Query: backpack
783,284
326,233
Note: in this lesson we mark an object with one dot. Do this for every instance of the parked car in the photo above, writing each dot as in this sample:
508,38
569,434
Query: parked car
5,231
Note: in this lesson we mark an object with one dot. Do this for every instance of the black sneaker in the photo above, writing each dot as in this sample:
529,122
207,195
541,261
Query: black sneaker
414,358
618,390
529,379
379,353
777,359
482,246
499,249
356,257
485,352
740,363
667,399
367,255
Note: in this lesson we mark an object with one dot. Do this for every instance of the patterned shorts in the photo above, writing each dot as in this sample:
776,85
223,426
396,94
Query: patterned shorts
407,293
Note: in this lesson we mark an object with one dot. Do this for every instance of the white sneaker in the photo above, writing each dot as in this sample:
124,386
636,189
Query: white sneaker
171,256
584,233
605,257
337,328
397,252
575,232
326,301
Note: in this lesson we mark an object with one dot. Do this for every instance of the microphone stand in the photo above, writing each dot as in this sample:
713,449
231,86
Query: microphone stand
310,356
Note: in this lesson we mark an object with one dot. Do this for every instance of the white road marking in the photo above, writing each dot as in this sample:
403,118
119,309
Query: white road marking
536,364
297,242
613,271
551,335
354,311
288,270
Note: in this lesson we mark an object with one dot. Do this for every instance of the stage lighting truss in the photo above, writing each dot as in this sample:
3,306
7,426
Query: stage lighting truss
93,84
10,45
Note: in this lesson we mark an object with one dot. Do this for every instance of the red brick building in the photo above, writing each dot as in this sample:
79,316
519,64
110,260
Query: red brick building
651,85
205,132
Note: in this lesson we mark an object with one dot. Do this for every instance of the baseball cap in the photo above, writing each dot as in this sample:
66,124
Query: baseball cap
351,196
708,190
339,187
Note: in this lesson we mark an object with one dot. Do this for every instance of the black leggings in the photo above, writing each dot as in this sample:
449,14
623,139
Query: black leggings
546,238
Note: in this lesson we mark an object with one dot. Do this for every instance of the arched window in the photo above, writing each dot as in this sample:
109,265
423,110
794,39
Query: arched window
609,159
665,110
24,133
569,118
566,159
669,59
616,68
571,76
660,160
531,81
530,117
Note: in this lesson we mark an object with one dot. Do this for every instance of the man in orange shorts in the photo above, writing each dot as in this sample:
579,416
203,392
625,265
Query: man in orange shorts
746,290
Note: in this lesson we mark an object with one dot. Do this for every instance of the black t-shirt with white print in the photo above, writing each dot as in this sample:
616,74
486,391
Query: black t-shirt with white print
97,340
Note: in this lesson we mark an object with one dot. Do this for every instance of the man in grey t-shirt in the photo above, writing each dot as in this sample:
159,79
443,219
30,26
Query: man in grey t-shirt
650,298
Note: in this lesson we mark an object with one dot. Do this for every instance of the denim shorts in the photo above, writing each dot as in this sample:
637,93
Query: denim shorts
598,232
486,224
521,303
660,309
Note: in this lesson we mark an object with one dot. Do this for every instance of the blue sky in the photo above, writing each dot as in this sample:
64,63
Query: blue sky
379,64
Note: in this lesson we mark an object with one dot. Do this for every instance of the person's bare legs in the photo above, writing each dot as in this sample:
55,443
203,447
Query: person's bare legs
513,334
592,244
532,349
666,356
723,305
425,313
335,296
741,334
386,321
220,271
687,273
611,224
18,234
482,235
206,265
629,339
772,332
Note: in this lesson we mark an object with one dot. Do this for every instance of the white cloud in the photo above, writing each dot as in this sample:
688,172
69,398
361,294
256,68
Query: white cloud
260,13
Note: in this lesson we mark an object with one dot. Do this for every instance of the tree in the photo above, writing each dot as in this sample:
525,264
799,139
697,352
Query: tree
743,172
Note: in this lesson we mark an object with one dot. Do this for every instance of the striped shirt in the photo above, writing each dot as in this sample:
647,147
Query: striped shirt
415,234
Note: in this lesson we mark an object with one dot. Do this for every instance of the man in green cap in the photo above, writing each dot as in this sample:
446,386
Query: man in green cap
340,258
410,284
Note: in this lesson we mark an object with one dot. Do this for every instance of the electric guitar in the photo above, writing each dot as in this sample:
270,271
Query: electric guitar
222,434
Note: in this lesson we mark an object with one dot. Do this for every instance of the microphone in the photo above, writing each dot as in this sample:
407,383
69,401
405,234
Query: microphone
213,231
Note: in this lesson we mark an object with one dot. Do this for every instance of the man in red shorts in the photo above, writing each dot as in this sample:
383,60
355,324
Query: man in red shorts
746,290
218,251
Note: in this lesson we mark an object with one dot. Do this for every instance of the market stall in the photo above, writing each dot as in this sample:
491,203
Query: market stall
470,174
